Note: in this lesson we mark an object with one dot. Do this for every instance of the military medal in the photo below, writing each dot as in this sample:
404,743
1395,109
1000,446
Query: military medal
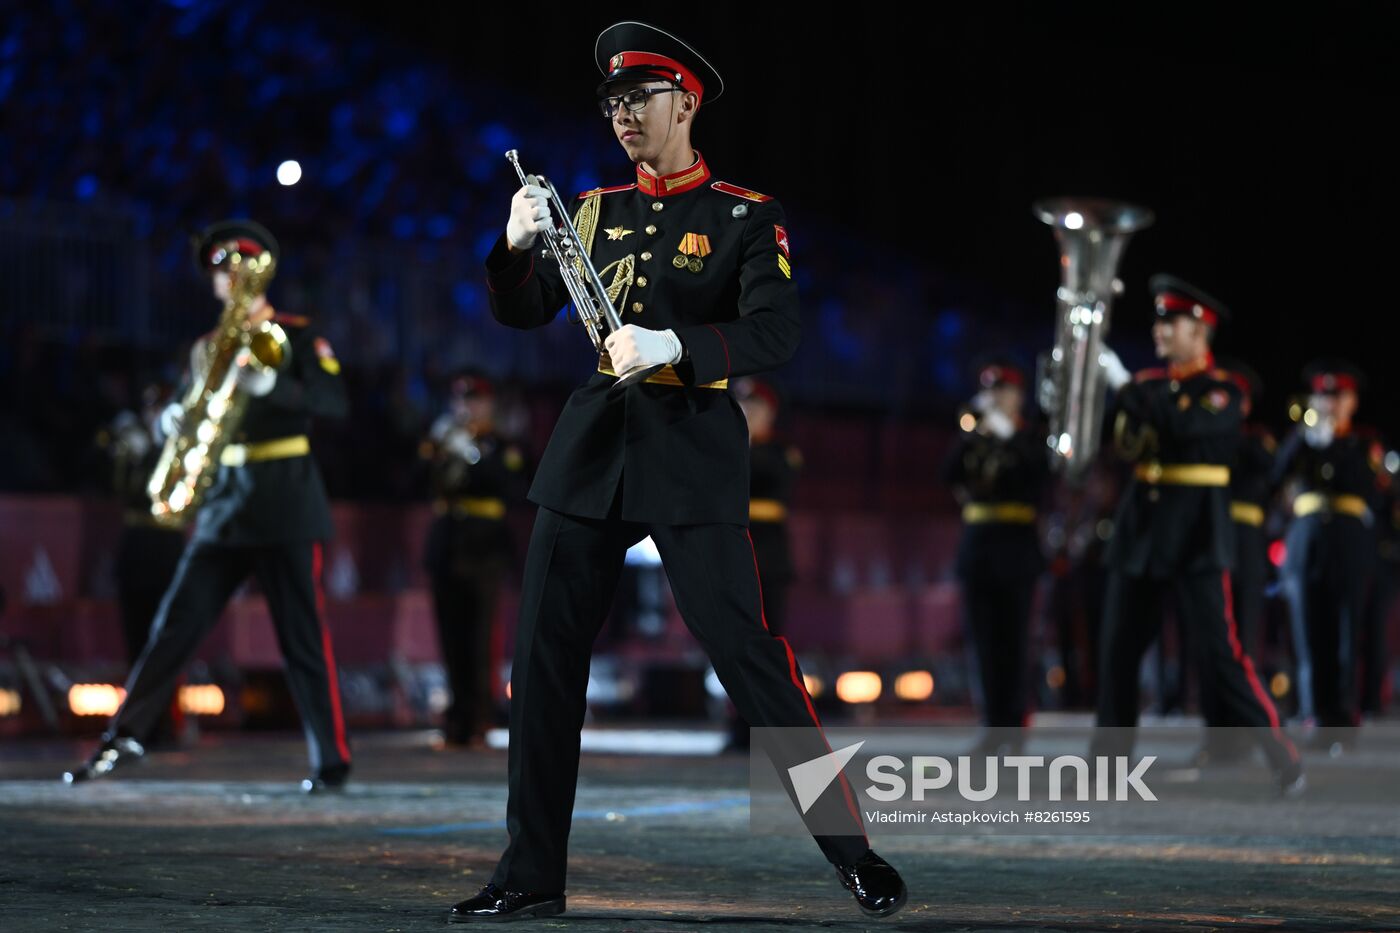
696,246
617,233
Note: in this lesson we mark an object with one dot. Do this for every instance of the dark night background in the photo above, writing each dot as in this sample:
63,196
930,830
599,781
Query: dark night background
907,145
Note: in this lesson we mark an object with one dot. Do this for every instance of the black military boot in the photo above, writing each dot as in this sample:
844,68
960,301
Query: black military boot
877,887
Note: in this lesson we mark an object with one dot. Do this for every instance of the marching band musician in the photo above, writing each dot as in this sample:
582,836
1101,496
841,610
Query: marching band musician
702,271
1181,425
475,473
266,514
998,471
1335,470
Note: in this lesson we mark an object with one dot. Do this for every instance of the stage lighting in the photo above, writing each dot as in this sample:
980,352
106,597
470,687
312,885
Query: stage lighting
814,685
95,699
201,700
9,702
915,686
289,172
858,687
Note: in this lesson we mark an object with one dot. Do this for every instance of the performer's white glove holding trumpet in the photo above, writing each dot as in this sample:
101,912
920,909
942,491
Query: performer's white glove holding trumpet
634,346
529,216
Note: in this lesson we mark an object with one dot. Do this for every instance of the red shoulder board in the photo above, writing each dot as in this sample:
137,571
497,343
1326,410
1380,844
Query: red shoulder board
291,320
738,192
592,191
1147,375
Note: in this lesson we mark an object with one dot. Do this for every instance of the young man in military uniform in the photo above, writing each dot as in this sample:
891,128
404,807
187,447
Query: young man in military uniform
702,277
1334,468
998,471
475,473
1181,425
265,514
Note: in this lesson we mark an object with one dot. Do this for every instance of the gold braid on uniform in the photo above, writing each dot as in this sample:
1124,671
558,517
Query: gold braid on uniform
586,223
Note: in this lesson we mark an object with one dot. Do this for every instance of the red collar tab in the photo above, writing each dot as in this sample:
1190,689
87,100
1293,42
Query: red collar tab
738,192
1183,371
1000,375
1328,383
663,69
592,191
675,183
1172,303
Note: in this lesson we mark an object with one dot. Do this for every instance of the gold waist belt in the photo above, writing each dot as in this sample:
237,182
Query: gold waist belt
1247,513
767,510
1183,474
235,455
1343,503
1004,513
473,507
665,376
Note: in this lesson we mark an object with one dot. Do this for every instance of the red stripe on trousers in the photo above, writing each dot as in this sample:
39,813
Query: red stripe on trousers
802,689
337,717
1243,660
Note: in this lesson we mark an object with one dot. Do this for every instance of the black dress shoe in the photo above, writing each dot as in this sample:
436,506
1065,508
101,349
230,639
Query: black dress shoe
115,751
877,887
1290,783
327,780
497,905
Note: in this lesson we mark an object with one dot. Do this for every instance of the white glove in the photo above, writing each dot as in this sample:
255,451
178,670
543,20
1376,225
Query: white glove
529,215
634,346
171,417
1319,435
256,382
999,423
1114,372
981,402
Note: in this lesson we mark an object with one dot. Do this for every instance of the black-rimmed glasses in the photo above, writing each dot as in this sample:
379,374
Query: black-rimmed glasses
633,100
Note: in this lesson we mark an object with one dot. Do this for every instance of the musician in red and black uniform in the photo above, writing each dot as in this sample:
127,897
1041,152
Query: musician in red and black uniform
1251,489
475,474
998,470
702,271
265,516
1334,470
1173,531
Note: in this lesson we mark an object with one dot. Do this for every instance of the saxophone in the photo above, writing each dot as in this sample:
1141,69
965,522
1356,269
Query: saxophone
214,405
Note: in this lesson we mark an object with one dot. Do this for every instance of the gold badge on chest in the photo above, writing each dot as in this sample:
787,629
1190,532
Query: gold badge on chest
617,233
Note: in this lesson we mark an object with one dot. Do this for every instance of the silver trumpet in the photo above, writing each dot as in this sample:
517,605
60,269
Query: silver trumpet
585,287
1092,234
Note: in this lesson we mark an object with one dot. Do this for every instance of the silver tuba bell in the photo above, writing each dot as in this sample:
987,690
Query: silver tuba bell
1092,234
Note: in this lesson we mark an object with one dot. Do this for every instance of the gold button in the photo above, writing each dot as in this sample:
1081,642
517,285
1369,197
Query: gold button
651,229
641,281
646,256
657,205
636,307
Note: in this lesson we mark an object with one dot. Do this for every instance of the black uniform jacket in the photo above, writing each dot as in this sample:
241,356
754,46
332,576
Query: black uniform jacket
459,536
1251,476
987,470
1326,544
710,261
1189,419
774,473
273,501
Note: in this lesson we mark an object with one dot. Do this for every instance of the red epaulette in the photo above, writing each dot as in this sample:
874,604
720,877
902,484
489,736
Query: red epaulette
592,191
291,320
1147,375
738,192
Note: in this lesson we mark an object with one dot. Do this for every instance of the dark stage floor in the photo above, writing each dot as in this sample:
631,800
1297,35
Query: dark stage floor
218,838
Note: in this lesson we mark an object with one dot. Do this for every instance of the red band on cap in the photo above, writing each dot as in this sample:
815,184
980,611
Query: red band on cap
664,67
246,247
1333,382
992,375
1179,304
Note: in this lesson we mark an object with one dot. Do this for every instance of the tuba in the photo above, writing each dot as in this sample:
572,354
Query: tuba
1092,234
214,405
586,289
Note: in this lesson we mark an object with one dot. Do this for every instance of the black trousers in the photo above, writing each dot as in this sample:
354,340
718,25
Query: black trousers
290,576
571,572
1132,619
464,602
1247,584
997,615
